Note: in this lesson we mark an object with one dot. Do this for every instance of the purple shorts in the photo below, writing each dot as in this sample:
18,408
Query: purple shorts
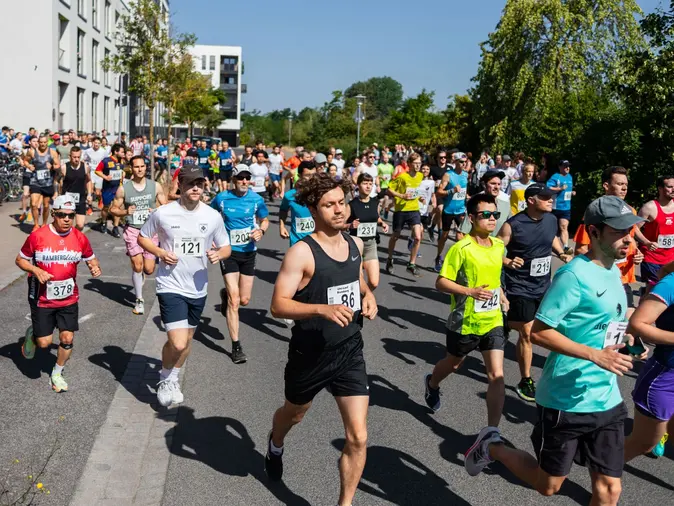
653,393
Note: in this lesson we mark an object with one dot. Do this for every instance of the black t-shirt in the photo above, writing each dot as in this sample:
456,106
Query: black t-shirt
365,212
437,172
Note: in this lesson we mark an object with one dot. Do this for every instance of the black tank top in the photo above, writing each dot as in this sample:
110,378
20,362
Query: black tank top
333,282
75,179
366,213
531,240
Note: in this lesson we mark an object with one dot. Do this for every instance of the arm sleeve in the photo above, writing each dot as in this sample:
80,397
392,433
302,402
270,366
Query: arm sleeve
452,264
151,225
561,298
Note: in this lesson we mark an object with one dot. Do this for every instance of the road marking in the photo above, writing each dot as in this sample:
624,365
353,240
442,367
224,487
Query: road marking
86,317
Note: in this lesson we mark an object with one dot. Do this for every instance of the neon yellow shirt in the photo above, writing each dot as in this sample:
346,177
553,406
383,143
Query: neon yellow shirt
405,183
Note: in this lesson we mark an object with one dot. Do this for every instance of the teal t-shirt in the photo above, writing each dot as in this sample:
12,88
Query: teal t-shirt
585,303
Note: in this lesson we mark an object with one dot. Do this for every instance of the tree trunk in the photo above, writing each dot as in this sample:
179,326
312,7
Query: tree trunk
190,129
151,135
168,135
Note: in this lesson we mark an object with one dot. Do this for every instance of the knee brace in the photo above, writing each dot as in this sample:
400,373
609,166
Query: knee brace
66,346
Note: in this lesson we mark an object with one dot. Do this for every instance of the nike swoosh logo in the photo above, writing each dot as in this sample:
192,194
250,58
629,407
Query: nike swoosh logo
600,294
353,259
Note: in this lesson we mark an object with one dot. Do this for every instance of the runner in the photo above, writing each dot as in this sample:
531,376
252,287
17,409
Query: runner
246,220
518,187
437,173
27,178
562,184
93,156
368,167
658,231
427,191
471,273
260,174
275,168
452,190
110,171
321,287
225,160
384,176
76,184
301,220
491,182
530,238
248,158
50,256
186,229
652,394
204,154
364,219
405,190
581,415
42,162
136,199
339,160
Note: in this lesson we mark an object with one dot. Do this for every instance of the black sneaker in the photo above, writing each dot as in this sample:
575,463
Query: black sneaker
115,233
389,265
526,389
238,356
102,228
273,464
223,302
414,270
432,395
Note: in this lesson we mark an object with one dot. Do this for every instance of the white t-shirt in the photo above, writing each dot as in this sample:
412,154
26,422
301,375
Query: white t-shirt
189,234
275,162
93,158
259,173
510,175
374,172
426,190
16,146
339,163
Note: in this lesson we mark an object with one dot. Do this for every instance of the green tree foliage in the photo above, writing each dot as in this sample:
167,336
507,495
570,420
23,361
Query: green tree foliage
384,95
416,123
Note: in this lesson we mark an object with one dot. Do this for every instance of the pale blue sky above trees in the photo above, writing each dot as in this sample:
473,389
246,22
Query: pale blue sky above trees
298,51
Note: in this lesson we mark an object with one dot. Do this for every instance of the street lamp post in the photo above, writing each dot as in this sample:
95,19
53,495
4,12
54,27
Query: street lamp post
290,128
360,100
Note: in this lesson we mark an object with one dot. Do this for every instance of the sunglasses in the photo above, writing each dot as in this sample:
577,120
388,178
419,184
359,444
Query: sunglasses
485,215
371,157
442,157
63,216
244,178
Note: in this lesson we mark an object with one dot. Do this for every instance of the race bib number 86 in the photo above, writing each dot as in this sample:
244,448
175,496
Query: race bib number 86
347,295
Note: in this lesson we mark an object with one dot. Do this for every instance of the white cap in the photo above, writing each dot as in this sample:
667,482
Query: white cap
63,202
339,152
459,156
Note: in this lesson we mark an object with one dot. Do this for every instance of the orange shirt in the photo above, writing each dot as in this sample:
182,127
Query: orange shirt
626,265
401,169
292,163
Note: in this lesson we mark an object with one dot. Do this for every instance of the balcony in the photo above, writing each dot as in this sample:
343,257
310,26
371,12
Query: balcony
244,88
228,107
229,68
229,87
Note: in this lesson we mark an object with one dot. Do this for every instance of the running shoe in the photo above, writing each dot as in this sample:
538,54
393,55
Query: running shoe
438,264
288,322
115,233
102,228
389,265
273,464
28,346
22,217
432,395
238,356
90,211
431,234
659,449
58,383
223,302
100,204
139,307
413,270
477,456
165,392
526,389
176,393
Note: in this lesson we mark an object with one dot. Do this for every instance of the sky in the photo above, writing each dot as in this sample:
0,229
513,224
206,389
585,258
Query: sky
297,52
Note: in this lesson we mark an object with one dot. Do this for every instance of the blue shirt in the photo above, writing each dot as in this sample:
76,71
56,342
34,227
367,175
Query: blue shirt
455,203
664,290
203,158
239,214
585,303
225,159
162,151
563,199
4,139
302,223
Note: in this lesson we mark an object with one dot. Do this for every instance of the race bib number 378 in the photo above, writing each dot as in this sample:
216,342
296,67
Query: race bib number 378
59,290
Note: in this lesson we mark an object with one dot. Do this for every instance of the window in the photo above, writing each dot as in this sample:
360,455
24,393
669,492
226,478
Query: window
94,112
212,62
94,13
80,53
203,62
80,109
107,29
106,106
81,9
64,43
95,63
106,73
113,29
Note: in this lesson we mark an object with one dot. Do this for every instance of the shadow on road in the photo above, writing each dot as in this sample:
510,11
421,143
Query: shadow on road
276,255
421,292
42,362
122,294
267,276
426,351
258,319
417,318
401,479
223,444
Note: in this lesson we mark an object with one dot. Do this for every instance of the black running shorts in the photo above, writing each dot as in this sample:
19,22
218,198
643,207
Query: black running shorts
242,262
460,345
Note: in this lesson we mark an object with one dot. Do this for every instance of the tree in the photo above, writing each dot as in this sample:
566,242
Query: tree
145,48
384,95
460,121
417,124
199,100
542,53
175,86
211,120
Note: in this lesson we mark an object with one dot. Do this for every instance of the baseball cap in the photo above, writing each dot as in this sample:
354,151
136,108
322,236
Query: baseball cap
190,173
56,137
612,211
339,152
320,158
565,163
63,202
239,169
490,174
506,158
192,153
537,189
459,156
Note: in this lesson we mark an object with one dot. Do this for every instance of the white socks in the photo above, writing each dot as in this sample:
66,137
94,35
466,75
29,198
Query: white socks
58,369
137,278
173,376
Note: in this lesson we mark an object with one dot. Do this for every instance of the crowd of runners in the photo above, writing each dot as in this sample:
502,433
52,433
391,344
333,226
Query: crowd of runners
507,217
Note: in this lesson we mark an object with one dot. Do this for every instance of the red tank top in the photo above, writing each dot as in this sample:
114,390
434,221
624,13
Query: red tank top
660,230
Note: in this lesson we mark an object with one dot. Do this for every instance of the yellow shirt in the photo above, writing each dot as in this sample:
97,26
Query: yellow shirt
517,201
405,183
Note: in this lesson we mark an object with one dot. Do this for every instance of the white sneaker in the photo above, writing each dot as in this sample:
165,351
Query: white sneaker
165,392
288,322
477,457
139,308
177,394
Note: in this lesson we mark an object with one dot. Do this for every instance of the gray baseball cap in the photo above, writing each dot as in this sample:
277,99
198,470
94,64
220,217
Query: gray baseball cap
612,211
240,169
320,158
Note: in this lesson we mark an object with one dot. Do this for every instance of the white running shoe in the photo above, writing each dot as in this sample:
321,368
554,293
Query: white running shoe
288,322
165,392
477,457
177,394
139,307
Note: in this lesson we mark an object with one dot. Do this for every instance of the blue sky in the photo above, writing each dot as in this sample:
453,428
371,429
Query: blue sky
297,52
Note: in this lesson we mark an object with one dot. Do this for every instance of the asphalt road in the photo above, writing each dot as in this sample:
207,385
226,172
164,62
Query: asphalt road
217,451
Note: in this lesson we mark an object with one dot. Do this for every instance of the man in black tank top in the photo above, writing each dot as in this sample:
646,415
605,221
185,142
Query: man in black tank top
321,287
530,238
76,183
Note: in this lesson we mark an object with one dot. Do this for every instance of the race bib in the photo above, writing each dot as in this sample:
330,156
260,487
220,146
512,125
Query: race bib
203,160
59,290
347,295
460,195
42,174
615,333
621,261
240,237
366,230
74,196
567,195
385,177
258,182
540,267
140,217
522,205
412,193
666,241
484,306
189,246
304,225
224,162
116,175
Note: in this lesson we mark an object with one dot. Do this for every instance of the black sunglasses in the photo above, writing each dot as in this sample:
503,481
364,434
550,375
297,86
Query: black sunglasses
63,216
485,215
244,178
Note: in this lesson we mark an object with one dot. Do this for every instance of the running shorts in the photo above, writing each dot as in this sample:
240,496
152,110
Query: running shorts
522,309
130,236
448,219
562,214
370,250
460,345
402,218
44,191
653,393
45,319
180,312
242,262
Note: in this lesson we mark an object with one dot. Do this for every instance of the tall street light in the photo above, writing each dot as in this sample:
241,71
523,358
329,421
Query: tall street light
360,117
290,128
